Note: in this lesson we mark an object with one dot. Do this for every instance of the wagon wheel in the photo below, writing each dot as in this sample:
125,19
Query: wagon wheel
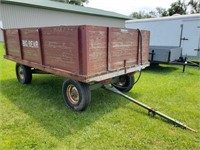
76,94
125,83
23,73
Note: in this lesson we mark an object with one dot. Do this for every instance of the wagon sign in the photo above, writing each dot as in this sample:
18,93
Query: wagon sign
31,44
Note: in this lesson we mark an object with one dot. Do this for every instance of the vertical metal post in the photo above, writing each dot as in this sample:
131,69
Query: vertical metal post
5,41
181,35
108,48
41,46
20,44
180,42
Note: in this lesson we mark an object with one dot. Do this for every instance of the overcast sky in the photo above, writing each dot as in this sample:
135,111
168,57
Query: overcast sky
126,7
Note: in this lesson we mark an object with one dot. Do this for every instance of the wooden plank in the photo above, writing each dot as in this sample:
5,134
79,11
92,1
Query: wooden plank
145,46
60,47
123,48
78,77
48,69
96,45
13,43
30,44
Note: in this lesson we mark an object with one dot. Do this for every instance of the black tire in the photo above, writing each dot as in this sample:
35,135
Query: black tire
125,83
23,73
154,64
77,95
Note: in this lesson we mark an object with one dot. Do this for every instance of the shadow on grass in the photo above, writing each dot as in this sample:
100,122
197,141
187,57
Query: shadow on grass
161,69
42,100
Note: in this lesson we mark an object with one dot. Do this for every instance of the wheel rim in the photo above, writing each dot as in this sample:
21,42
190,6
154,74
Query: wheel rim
21,73
122,81
72,94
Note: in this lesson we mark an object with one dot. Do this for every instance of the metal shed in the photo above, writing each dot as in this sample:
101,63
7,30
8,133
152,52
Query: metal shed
1,26
37,13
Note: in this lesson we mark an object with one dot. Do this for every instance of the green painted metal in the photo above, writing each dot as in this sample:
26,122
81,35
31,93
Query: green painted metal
52,5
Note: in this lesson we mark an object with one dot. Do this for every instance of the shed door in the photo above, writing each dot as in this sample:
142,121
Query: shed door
191,37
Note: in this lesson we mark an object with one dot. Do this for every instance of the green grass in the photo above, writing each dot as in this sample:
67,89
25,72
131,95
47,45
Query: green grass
35,117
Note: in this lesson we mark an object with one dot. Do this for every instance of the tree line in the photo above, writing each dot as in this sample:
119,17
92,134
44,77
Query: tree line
178,7
73,2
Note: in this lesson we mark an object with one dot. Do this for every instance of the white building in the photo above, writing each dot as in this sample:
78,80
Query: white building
181,30
39,13
1,26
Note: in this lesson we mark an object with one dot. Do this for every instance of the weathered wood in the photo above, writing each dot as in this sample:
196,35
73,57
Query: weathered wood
81,51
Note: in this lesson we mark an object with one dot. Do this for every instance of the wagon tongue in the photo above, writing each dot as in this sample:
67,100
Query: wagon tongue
151,111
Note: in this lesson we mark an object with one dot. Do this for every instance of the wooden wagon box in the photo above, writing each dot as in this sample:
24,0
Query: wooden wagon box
88,54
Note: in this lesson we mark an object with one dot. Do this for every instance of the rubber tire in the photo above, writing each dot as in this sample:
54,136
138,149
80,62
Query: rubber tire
154,64
128,85
84,95
26,72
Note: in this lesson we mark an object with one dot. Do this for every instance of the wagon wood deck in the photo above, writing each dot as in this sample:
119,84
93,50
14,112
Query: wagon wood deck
82,78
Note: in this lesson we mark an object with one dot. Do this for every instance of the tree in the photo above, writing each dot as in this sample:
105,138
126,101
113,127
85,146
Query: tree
161,11
177,7
142,14
74,2
195,6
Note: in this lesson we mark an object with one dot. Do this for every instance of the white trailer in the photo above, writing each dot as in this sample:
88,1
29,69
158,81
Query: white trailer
179,31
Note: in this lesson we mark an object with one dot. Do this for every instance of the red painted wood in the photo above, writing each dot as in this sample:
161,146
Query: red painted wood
145,46
31,44
60,47
123,48
82,51
96,47
13,43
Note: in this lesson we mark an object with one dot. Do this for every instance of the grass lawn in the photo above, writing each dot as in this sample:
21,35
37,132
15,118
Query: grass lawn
35,116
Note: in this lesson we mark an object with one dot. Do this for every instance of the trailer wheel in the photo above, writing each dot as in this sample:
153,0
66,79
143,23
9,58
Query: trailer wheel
23,73
125,83
76,94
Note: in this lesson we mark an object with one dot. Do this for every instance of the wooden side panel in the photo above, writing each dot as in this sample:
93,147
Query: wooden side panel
79,51
94,50
145,46
31,45
60,47
123,48
13,43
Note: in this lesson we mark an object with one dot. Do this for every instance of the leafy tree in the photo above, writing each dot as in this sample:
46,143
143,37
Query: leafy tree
74,2
195,6
142,14
177,7
161,11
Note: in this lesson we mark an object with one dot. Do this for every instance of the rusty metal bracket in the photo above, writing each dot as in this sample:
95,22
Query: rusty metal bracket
125,71
152,112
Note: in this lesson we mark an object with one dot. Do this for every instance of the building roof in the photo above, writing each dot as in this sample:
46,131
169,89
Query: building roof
52,5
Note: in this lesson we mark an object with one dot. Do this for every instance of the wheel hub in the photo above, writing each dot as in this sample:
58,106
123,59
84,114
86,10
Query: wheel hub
21,73
72,94
122,81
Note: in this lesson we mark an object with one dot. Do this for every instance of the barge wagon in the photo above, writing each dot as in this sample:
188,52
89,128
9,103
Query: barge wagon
88,56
